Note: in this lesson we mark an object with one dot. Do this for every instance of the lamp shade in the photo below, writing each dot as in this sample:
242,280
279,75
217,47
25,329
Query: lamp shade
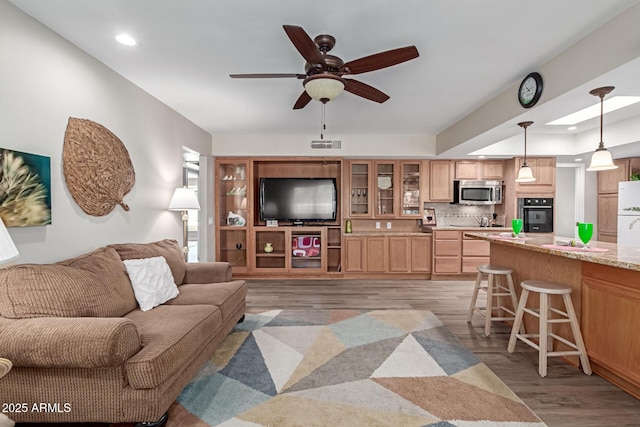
525,174
8,250
601,161
323,87
184,199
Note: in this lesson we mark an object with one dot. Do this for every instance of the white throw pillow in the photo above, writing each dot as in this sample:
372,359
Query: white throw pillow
152,281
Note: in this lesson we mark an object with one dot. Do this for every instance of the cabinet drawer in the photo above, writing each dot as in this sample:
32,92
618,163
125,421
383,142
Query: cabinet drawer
469,264
475,248
447,248
446,265
446,234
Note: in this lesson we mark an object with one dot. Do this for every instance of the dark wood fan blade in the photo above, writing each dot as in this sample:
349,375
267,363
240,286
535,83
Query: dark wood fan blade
304,44
365,91
266,76
380,60
302,101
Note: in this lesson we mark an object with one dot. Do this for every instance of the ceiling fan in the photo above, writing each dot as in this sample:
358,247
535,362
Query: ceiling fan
323,78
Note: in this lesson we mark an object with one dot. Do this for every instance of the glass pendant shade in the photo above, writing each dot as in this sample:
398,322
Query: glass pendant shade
601,159
324,87
525,174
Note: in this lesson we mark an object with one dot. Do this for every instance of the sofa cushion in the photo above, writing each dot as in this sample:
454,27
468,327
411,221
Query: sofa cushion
227,296
170,336
169,249
92,285
152,281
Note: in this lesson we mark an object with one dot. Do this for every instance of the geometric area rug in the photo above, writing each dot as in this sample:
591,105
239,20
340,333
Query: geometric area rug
286,368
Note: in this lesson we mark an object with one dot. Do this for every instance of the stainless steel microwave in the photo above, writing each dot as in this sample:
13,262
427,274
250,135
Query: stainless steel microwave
468,192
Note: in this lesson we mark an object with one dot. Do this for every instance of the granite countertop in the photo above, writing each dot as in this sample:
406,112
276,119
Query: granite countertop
620,256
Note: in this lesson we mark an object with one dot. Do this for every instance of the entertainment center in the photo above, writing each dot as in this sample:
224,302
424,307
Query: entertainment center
279,217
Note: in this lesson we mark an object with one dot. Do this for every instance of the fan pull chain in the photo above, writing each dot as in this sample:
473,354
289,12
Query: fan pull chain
323,126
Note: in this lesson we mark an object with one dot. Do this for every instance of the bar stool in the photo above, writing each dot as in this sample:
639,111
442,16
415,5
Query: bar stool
493,289
545,335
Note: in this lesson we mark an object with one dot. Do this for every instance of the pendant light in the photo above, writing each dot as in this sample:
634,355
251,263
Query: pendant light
525,174
601,158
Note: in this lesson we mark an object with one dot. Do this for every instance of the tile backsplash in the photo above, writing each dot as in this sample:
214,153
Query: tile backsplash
448,214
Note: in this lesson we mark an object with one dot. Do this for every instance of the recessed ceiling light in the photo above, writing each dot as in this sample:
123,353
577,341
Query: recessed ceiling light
572,128
609,105
126,40
482,157
577,160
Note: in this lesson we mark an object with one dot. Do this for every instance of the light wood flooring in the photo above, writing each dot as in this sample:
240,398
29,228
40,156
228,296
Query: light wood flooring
565,397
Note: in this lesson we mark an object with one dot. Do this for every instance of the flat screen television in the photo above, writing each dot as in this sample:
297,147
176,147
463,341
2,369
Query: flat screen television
298,199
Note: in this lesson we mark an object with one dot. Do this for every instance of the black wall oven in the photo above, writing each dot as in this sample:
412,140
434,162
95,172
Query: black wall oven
536,214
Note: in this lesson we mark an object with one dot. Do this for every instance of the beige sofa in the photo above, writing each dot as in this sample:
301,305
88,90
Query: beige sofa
83,351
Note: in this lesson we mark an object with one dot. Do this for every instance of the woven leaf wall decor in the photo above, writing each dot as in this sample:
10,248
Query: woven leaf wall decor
96,167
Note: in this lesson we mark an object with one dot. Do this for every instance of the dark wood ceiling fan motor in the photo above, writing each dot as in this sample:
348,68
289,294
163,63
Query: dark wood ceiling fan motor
320,62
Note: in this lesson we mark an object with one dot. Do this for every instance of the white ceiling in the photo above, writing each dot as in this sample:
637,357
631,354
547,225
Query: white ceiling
470,51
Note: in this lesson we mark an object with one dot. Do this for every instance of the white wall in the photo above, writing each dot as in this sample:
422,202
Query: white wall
370,146
44,80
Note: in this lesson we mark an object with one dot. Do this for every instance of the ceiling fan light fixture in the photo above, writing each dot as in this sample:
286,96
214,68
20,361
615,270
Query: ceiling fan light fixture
323,87
601,159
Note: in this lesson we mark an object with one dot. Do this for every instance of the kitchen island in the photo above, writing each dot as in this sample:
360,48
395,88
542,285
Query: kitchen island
606,296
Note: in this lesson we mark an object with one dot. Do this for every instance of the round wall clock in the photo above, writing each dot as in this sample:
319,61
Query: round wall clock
530,90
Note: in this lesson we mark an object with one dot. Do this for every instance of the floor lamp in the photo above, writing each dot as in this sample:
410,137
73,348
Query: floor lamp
8,252
184,199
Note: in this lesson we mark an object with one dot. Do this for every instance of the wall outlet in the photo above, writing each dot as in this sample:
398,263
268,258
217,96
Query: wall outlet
388,225
377,225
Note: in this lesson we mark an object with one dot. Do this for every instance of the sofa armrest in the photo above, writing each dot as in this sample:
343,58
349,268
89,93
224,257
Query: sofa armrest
69,342
207,272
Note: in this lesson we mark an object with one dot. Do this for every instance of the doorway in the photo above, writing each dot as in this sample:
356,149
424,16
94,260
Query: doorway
569,203
190,179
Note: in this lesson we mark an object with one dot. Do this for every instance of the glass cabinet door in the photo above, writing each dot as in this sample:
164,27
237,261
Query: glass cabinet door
385,188
410,188
359,196
232,212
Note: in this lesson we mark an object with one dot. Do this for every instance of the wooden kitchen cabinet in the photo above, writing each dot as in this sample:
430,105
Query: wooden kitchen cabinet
544,170
479,169
386,197
610,323
411,188
366,254
358,192
440,181
608,180
455,254
399,254
447,252
608,217
354,254
608,196
421,254
373,189
387,254
474,253
377,258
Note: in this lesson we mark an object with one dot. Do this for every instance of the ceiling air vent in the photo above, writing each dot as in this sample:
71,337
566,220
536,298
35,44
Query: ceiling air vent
326,145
